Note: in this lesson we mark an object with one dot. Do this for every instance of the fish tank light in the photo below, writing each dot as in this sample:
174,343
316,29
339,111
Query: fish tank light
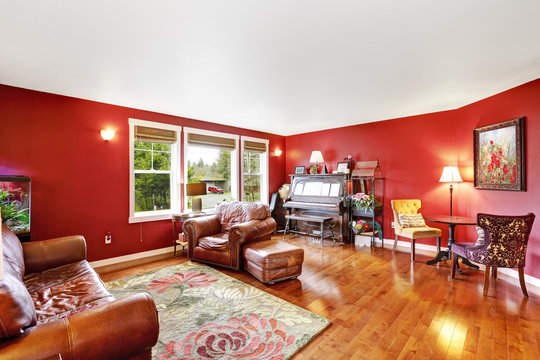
15,204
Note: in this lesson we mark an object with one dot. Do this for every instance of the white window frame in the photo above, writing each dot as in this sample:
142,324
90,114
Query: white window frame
264,167
235,182
176,178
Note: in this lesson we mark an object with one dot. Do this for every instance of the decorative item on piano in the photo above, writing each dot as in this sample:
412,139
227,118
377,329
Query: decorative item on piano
315,159
343,168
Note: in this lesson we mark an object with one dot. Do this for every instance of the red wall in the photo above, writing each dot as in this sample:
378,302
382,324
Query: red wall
80,183
413,151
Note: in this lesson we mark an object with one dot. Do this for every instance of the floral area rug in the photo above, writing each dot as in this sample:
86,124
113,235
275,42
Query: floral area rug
204,314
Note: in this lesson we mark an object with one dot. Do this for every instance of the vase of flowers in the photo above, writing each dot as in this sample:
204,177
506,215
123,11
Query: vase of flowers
362,201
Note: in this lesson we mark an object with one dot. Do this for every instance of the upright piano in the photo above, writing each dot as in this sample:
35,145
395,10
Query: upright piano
320,195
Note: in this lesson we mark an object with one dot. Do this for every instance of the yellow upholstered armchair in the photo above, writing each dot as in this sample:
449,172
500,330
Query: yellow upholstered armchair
411,225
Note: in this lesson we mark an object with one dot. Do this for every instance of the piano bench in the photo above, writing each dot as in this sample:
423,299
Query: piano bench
310,218
271,261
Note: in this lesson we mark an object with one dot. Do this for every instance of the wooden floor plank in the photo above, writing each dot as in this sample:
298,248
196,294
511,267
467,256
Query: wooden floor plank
383,307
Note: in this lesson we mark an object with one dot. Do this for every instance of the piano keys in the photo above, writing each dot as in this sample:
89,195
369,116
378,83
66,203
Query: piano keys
320,195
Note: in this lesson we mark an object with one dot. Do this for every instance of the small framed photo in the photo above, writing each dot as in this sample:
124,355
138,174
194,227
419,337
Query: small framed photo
343,168
299,170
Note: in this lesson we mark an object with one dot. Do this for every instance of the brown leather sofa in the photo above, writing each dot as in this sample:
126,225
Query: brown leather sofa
217,239
54,305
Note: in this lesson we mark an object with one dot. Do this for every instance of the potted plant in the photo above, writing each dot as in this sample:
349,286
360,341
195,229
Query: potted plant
363,204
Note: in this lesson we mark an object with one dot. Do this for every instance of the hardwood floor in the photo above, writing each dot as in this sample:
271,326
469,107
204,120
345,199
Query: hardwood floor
383,307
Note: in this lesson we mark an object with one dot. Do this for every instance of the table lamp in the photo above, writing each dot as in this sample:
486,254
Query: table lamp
195,190
450,175
316,157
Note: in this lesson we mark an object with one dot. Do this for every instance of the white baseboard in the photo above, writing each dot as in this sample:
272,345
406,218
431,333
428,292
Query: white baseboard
432,248
389,243
130,257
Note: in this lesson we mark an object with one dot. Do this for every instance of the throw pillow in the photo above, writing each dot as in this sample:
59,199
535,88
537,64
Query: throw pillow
407,221
17,311
481,236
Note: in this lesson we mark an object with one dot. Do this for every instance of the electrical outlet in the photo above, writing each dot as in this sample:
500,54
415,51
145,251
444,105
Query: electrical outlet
108,238
393,225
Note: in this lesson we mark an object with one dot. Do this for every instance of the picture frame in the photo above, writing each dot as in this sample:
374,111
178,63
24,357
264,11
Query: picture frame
343,167
499,156
299,170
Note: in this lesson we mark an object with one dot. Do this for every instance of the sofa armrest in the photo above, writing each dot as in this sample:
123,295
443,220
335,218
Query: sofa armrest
46,254
251,230
198,227
105,332
239,234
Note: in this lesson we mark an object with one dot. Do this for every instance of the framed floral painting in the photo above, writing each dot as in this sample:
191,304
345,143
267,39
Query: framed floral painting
499,156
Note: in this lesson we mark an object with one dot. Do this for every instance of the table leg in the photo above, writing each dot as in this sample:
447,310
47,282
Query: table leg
465,261
445,255
174,236
441,256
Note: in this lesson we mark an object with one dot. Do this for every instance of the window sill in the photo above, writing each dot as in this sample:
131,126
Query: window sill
145,218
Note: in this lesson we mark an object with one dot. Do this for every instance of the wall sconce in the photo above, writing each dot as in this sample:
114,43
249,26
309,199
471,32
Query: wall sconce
278,152
107,134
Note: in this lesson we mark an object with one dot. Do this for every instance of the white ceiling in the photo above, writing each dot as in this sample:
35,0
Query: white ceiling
280,66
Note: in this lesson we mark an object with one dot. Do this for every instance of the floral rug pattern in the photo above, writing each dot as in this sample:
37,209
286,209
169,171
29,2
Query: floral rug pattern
204,314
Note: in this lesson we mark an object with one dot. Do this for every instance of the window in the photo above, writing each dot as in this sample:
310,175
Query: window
212,158
154,170
254,170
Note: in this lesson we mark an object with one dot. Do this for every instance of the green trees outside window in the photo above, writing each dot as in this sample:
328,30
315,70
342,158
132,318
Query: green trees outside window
252,176
152,167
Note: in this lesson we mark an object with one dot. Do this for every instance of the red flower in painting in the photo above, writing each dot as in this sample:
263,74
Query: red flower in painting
505,169
513,178
490,168
190,278
491,142
250,337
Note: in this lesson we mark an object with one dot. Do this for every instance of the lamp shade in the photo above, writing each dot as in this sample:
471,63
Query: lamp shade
450,174
196,189
316,157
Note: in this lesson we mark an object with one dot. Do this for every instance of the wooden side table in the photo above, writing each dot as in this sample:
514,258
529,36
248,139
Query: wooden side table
452,222
179,240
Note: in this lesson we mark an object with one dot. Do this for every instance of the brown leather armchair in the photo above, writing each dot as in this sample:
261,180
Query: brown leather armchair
218,239
53,305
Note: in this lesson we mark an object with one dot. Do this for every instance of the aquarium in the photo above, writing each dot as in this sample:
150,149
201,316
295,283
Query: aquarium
15,204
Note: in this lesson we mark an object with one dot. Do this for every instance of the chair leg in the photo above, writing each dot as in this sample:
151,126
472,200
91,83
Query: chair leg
486,281
522,281
412,250
494,272
438,244
454,264
395,244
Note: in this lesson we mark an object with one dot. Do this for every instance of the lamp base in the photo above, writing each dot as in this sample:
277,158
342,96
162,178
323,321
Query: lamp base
196,204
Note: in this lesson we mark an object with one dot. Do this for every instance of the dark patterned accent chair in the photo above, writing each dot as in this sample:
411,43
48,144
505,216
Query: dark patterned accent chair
505,246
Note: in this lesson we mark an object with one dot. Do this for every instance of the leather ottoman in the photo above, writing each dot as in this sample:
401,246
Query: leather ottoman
271,261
